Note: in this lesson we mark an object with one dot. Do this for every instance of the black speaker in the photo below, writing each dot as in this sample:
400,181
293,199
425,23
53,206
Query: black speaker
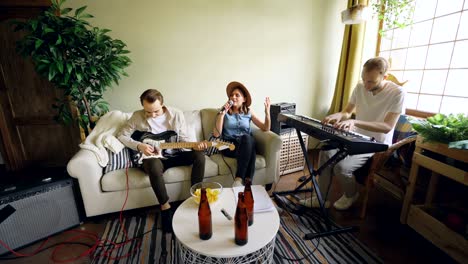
285,108
37,212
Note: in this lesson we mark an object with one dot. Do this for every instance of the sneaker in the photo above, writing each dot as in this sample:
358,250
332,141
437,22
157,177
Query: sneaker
313,202
344,202
237,183
166,220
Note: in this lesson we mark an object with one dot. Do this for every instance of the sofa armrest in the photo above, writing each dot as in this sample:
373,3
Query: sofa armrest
84,165
267,142
269,145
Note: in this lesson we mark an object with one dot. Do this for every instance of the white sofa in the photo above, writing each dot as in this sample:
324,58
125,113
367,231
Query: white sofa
103,194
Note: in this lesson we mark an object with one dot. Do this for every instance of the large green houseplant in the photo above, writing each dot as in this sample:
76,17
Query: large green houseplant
76,57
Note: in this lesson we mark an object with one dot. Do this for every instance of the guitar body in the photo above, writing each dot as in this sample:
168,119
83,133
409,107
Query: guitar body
149,138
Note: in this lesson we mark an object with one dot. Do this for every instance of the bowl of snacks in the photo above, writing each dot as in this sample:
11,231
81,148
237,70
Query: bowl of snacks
213,191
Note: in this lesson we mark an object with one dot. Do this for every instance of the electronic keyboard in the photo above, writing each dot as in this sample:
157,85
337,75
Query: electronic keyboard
353,143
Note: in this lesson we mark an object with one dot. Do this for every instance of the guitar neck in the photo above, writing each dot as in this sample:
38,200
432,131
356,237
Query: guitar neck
175,145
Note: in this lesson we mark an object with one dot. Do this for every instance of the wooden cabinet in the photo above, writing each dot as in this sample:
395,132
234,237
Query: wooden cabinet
417,216
29,136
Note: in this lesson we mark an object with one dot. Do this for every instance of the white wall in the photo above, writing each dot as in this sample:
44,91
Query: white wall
190,50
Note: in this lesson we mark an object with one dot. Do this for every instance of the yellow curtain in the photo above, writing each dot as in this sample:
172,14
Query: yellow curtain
350,63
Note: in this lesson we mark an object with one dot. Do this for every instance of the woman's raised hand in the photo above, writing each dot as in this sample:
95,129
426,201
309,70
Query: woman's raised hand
267,105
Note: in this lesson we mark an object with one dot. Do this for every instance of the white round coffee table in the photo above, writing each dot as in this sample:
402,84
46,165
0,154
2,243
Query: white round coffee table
221,248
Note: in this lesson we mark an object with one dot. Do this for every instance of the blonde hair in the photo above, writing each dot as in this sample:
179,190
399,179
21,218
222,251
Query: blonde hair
377,63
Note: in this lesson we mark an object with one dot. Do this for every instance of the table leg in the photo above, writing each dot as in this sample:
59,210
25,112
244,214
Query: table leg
409,192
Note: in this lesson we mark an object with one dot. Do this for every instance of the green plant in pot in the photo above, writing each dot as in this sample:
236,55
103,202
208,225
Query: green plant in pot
448,129
77,58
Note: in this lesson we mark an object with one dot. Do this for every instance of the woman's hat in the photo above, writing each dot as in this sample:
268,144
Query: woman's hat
237,85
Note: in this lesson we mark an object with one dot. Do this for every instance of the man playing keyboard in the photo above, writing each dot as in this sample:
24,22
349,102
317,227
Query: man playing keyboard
378,104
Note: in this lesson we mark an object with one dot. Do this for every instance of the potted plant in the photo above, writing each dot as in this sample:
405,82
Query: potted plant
448,129
77,58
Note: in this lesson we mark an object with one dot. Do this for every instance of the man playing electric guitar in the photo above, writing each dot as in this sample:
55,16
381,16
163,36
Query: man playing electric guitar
156,118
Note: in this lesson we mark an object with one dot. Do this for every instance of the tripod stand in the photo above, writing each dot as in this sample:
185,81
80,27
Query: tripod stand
341,154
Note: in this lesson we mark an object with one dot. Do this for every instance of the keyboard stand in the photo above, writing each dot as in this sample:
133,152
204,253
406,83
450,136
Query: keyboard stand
341,154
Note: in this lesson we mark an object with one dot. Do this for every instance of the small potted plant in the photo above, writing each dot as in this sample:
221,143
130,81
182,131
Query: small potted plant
448,129
76,57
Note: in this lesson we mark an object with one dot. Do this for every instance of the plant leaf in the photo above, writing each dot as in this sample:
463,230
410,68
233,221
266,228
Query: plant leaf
52,72
79,77
59,66
69,67
65,11
38,43
33,24
86,16
48,30
59,40
79,11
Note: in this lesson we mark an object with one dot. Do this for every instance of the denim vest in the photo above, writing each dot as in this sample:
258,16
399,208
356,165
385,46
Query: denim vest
236,125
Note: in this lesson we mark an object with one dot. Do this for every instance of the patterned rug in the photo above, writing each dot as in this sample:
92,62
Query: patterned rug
154,247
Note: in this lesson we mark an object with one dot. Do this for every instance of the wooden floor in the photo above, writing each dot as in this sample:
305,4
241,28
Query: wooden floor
381,231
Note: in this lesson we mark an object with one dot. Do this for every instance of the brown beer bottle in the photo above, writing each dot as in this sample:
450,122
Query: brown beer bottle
249,200
241,220
204,217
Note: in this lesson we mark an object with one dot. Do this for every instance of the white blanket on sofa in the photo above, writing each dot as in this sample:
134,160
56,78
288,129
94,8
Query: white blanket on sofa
103,136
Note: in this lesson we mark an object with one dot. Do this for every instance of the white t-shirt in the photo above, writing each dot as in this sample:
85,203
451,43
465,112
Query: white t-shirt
374,108
159,124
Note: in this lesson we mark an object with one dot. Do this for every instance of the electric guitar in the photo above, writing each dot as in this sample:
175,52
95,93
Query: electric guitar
165,144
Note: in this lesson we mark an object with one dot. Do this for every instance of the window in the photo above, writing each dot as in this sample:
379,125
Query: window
432,54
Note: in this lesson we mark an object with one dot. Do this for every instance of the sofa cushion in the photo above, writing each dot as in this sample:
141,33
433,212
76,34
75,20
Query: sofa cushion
193,123
211,167
223,168
208,118
116,180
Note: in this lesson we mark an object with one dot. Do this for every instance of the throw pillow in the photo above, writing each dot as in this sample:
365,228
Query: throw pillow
118,161
403,129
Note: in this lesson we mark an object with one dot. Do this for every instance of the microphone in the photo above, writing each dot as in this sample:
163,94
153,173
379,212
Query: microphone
222,107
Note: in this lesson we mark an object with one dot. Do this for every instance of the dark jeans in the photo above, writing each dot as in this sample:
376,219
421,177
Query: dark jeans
245,155
156,167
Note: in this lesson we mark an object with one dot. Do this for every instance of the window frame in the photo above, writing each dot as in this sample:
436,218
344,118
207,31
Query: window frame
413,111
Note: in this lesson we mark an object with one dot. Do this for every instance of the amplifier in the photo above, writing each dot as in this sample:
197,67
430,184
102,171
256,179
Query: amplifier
35,213
275,109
